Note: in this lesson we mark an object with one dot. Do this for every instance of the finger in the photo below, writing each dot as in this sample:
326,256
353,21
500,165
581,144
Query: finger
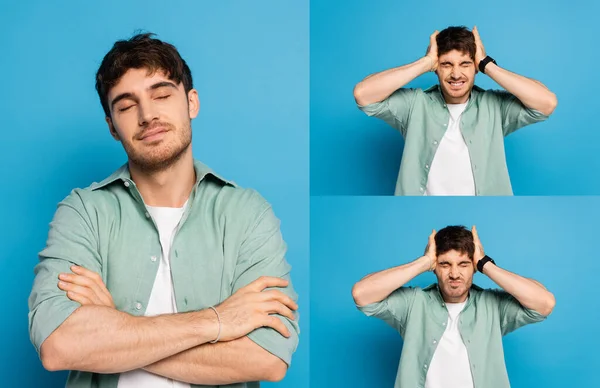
79,298
266,282
100,292
277,324
276,295
475,235
95,277
278,308
85,291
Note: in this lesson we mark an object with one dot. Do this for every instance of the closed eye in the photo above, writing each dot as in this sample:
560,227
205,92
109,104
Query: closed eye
163,97
125,108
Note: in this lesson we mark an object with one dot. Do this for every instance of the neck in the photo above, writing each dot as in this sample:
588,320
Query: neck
169,187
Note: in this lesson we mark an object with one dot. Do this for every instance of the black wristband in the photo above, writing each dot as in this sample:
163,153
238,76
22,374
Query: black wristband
483,262
484,62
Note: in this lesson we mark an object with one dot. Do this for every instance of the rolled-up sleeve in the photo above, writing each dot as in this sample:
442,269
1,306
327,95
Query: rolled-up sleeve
262,253
71,240
515,115
513,315
394,309
394,110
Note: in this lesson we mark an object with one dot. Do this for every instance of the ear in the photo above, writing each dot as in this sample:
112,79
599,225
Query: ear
193,103
111,129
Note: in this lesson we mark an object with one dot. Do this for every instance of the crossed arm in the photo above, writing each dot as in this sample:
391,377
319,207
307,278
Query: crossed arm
96,337
99,338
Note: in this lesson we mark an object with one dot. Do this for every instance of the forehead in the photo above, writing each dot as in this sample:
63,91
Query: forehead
137,81
455,56
453,256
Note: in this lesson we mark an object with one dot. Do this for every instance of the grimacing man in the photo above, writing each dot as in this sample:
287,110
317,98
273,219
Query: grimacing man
164,274
454,131
453,329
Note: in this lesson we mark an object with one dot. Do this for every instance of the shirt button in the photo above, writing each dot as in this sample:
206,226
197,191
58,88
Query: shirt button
435,142
147,215
445,125
427,166
153,258
138,306
425,366
420,188
443,323
434,342
126,184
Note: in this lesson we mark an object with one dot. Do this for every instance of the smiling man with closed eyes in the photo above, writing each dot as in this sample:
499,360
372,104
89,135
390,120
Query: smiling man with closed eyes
453,329
454,131
164,274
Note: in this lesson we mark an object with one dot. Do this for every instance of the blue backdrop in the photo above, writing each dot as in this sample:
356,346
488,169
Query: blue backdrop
549,40
250,65
550,239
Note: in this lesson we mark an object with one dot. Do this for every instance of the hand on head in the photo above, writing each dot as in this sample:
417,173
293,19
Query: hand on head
479,252
430,251
432,51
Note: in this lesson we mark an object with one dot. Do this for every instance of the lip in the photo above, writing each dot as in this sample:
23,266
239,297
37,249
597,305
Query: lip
459,86
153,133
455,283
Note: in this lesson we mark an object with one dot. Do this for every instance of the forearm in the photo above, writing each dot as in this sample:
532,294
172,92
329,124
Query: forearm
104,340
222,363
378,286
528,292
379,86
533,94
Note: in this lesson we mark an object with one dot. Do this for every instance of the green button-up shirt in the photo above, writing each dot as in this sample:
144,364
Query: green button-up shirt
420,315
422,117
227,238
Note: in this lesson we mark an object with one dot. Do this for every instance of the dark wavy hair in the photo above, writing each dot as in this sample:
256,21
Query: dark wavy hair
142,51
456,38
456,238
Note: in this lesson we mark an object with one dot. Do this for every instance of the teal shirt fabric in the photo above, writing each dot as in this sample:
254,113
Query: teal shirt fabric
422,117
227,238
420,316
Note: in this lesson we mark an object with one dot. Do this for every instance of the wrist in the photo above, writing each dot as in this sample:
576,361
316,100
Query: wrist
425,263
207,325
426,64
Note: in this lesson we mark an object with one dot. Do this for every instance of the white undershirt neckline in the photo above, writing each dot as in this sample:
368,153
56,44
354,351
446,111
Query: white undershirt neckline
162,297
451,172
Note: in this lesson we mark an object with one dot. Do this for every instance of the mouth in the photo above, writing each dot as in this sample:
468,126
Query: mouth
153,134
457,84
455,283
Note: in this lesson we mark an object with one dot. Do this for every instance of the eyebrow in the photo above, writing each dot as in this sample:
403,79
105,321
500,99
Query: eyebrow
155,86
459,263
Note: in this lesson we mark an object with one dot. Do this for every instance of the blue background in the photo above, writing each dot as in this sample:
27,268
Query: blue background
553,41
250,65
550,239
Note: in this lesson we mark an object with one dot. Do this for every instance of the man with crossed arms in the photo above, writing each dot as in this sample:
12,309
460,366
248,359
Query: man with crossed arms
163,275
452,330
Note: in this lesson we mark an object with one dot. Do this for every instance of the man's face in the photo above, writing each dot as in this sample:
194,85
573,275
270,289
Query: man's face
456,73
454,271
150,116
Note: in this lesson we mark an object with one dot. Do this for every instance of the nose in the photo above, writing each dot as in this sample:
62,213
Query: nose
147,112
454,273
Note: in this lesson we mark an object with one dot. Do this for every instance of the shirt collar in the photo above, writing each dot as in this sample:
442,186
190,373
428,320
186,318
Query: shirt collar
123,174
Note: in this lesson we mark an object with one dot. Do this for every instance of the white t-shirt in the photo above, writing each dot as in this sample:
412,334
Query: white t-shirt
449,366
162,297
451,172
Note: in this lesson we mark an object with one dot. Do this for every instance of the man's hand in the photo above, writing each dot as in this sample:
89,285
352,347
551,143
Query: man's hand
85,287
479,253
432,51
479,49
430,251
251,307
